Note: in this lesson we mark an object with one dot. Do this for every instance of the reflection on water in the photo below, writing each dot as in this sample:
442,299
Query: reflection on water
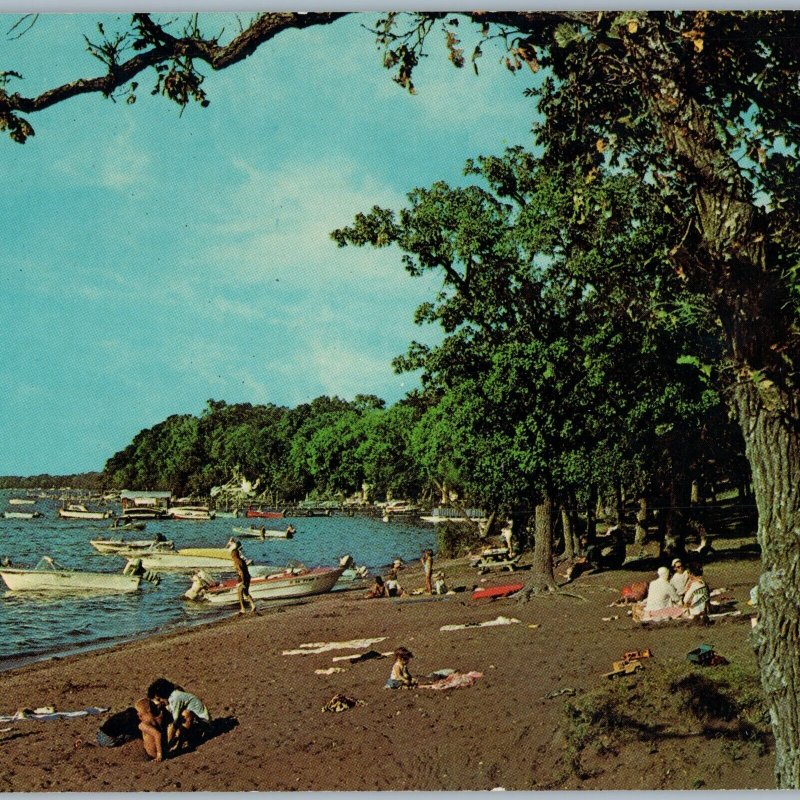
38,625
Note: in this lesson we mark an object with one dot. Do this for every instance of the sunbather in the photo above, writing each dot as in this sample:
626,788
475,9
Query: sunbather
378,589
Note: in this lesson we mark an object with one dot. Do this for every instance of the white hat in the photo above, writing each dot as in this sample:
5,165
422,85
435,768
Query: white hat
663,572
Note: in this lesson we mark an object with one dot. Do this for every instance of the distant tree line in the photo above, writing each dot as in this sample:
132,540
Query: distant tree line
89,481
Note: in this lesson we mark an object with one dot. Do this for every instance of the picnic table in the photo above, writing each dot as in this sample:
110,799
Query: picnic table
494,558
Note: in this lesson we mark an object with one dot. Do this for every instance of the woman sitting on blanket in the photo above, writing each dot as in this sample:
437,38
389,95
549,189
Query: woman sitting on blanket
696,596
662,602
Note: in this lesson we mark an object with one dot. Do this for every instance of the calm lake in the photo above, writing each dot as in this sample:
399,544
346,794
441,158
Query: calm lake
35,627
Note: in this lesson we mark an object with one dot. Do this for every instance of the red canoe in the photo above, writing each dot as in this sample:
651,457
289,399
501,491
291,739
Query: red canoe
497,591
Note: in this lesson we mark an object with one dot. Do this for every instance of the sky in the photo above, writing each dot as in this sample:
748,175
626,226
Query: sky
153,260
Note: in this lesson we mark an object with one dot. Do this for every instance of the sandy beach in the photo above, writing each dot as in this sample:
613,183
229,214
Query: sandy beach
504,731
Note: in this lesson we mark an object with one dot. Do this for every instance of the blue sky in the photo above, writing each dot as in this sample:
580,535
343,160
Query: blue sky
151,261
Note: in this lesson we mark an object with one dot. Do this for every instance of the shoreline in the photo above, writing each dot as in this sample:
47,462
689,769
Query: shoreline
500,732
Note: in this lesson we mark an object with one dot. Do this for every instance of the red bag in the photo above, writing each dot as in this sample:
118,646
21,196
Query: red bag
634,592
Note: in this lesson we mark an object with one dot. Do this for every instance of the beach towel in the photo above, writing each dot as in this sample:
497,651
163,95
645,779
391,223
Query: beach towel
48,713
456,680
321,647
489,623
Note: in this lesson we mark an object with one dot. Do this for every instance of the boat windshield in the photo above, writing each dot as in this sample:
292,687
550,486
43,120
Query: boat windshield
47,563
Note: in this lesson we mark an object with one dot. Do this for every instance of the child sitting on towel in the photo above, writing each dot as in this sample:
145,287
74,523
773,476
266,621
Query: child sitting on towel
400,677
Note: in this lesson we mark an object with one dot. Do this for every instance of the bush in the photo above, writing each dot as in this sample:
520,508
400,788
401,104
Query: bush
454,539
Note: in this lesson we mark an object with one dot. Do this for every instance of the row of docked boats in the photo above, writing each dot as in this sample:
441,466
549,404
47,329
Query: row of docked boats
145,558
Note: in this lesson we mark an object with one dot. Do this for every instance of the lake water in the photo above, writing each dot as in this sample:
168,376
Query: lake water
37,626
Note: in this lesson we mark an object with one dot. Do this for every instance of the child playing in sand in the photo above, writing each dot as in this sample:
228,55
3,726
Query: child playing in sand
400,677
190,723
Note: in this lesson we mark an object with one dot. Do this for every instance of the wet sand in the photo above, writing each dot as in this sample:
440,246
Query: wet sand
501,732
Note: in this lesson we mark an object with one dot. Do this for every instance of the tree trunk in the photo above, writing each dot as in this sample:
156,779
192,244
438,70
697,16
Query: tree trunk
591,514
640,536
772,443
569,533
542,578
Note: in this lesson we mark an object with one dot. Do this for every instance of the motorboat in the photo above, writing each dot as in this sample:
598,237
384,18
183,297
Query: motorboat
126,523
254,532
215,559
22,514
49,576
22,501
200,513
290,583
145,512
257,512
131,546
78,511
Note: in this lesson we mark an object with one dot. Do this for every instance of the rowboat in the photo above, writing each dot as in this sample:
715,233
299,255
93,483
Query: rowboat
182,561
21,514
257,512
278,586
128,547
77,511
200,513
266,533
48,576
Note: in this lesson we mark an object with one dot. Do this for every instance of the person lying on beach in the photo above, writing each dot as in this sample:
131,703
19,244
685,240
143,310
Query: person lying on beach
190,722
378,589
400,677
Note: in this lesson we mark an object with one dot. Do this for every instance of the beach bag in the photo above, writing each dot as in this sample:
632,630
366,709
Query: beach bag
634,592
119,728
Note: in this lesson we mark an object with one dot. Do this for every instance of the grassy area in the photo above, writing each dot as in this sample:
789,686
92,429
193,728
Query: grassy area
675,702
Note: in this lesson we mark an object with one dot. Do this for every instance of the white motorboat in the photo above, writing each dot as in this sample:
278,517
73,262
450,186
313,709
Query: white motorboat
22,501
199,513
77,511
266,533
48,576
291,583
131,545
21,514
215,559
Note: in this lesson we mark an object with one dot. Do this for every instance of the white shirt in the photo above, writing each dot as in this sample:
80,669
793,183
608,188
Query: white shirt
179,701
679,581
661,594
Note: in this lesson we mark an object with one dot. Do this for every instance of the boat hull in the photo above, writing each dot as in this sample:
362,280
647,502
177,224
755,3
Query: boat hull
257,533
254,512
196,514
21,514
178,562
31,580
279,586
138,545
65,513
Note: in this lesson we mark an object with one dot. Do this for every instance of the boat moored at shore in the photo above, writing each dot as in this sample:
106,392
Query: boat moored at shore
79,511
49,576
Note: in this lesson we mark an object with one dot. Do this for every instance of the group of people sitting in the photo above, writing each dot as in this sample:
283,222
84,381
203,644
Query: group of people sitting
390,585
168,720
684,594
